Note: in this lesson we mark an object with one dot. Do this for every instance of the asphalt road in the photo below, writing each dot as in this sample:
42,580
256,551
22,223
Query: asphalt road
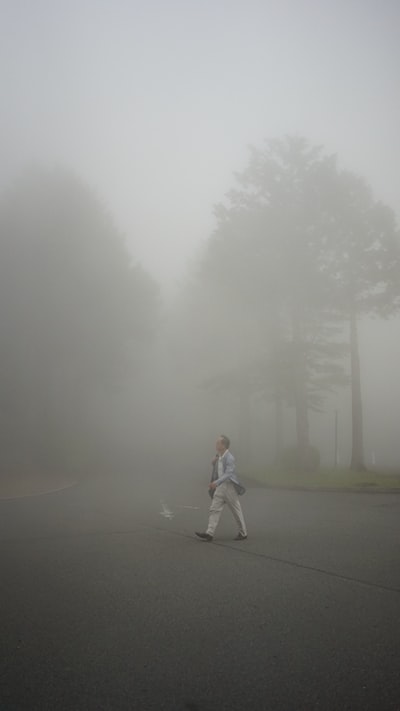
106,605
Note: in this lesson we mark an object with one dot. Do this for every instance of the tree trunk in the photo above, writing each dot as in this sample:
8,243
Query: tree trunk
336,459
357,452
300,392
278,428
244,426
277,340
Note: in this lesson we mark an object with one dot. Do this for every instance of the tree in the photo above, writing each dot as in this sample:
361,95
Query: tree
362,260
300,251
74,312
308,247
266,250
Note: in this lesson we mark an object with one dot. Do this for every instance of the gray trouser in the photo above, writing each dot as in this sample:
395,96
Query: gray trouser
225,493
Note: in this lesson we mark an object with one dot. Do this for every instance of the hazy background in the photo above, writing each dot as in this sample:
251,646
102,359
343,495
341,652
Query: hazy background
153,104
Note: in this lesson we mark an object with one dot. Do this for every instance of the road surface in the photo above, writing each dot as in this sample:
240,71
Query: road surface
108,605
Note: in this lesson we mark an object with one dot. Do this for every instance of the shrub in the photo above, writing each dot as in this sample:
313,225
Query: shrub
292,459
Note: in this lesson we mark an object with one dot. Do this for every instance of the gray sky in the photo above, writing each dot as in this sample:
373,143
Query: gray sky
154,103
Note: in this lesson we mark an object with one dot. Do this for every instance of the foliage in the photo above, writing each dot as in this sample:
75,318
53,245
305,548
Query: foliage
74,312
361,255
265,253
305,249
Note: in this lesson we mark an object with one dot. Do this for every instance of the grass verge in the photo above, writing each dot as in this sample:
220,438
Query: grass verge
328,479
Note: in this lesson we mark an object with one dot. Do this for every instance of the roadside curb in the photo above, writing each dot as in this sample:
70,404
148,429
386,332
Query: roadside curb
326,490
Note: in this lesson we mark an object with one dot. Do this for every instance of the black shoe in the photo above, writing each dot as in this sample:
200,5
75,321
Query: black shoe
240,537
204,536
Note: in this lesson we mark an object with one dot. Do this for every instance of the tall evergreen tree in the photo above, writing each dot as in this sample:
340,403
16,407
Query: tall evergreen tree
75,313
362,261
268,240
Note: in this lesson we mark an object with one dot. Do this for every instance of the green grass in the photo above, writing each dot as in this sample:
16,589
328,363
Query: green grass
329,479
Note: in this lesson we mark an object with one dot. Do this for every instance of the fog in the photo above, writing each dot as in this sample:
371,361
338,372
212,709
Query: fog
123,125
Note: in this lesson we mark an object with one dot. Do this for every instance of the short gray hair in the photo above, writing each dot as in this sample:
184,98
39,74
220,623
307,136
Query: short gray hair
225,440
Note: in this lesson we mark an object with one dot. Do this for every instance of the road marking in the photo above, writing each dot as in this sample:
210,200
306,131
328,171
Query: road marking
165,511
246,551
38,493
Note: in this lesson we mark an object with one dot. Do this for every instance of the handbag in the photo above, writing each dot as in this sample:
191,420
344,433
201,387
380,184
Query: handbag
240,489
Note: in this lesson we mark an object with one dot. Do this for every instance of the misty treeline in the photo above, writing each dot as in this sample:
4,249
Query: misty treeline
267,318
301,251
76,320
